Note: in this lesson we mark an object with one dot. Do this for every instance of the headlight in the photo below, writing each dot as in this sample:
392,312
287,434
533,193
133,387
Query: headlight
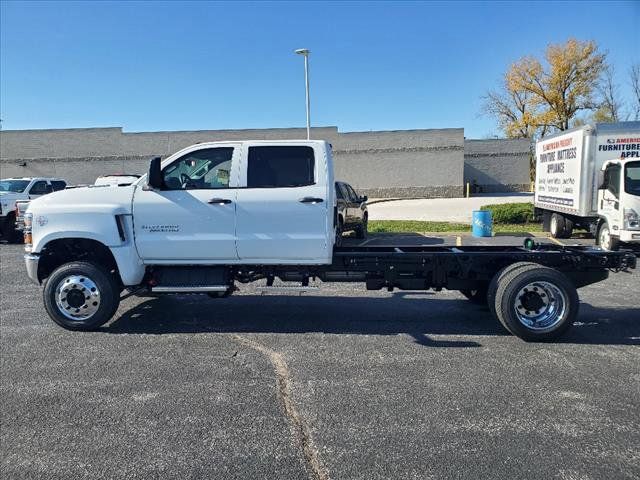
28,220
631,219
28,239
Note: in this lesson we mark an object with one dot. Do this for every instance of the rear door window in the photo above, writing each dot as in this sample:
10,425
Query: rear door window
280,166
40,188
353,196
58,185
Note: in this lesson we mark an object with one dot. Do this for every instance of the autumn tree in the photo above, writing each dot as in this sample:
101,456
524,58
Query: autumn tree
514,111
548,95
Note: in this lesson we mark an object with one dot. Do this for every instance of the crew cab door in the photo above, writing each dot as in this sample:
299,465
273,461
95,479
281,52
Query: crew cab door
283,209
192,218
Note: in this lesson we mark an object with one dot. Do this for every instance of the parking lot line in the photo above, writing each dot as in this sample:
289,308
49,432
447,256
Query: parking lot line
555,240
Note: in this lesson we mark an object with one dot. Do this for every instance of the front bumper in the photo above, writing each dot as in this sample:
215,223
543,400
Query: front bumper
31,261
630,236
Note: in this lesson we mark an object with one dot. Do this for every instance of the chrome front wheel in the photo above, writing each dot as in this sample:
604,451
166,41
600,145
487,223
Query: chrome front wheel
77,297
81,295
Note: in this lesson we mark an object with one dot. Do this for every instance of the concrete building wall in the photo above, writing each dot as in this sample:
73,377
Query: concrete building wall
498,165
383,164
405,163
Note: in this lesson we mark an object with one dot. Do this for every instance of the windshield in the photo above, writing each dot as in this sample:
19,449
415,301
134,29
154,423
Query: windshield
632,178
16,186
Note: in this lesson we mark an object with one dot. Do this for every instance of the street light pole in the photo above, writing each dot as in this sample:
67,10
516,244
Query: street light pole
305,52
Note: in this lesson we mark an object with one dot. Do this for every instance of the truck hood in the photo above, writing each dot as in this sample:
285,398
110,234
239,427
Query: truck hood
114,201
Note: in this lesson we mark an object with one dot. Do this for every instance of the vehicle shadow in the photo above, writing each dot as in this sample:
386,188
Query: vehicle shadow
420,315
394,239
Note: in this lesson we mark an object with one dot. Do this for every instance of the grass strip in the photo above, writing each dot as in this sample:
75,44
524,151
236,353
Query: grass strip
419,226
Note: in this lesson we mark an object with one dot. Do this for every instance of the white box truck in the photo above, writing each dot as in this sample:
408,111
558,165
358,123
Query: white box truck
589,177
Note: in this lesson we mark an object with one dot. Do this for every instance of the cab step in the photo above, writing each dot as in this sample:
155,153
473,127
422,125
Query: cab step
189,288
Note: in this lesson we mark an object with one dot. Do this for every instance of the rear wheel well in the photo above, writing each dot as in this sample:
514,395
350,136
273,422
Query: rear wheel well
65,250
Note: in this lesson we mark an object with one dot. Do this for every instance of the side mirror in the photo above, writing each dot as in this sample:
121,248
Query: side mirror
364,198
601,180
154,177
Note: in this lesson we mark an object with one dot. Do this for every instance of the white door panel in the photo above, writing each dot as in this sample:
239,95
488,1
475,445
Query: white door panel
275,224
182,225
194,217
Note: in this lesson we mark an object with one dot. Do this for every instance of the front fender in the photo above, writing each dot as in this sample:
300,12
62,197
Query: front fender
101,227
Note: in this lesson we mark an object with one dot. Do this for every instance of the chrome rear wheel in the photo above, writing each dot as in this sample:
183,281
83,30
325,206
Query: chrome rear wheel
540,306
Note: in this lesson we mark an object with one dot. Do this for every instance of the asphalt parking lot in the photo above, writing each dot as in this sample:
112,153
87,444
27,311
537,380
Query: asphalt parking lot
341,383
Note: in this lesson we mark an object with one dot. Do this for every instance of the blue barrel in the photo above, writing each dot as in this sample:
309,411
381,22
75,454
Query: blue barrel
481,223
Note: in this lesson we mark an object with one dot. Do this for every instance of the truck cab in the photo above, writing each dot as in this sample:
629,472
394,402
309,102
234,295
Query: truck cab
217,203
238,202
619,202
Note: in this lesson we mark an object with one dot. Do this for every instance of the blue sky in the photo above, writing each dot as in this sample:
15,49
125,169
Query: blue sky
199,65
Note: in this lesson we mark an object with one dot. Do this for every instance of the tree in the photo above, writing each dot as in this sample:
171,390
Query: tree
634,75
535,98
514,111
565,85
610,106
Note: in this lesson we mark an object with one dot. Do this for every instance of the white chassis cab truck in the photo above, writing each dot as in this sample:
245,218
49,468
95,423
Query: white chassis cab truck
13,190
217,214
589,177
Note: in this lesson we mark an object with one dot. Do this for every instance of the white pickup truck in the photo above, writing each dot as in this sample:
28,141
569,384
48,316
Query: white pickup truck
13,190
215,214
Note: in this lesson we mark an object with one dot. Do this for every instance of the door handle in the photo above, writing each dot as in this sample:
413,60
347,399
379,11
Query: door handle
219,201
311,200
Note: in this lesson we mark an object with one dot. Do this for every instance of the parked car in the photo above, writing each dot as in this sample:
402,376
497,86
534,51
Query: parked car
352,212
13,190
117,180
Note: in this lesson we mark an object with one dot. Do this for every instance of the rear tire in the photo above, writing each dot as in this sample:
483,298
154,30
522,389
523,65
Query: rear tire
557,226
81,296
568,228
339,231
493,285
536,303
361,230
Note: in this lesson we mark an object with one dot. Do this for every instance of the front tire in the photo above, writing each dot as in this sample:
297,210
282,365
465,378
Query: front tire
536,303
606,240
81,296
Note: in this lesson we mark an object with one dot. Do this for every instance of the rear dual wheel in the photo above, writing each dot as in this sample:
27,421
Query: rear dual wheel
561,226
534,302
